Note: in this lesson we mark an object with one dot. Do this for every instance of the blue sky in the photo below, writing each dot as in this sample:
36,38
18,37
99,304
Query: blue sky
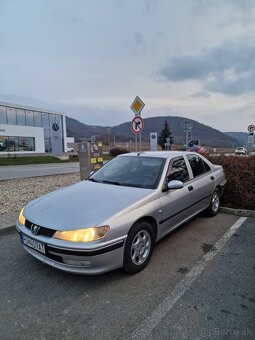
89,59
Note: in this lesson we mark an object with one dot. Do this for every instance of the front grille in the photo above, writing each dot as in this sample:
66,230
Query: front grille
42,231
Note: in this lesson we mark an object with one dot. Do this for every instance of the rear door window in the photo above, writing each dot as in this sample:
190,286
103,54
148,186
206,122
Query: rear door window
198,166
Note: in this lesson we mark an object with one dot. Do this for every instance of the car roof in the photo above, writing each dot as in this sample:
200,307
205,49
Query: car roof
159,154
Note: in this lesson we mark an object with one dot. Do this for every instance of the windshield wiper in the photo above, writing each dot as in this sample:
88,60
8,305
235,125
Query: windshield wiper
111,182
92,180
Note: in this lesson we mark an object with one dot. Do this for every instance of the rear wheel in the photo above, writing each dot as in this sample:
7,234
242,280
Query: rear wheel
214,206
138,248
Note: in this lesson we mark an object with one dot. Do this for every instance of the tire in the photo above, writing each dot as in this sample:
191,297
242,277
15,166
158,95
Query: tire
214,206
138,247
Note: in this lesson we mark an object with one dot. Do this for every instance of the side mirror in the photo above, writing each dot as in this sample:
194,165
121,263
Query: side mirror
175,185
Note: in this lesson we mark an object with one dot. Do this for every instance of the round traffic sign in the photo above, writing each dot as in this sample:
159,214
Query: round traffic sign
251,128
137,125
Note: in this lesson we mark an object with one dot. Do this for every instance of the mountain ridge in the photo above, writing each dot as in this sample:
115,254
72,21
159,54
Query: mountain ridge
207,135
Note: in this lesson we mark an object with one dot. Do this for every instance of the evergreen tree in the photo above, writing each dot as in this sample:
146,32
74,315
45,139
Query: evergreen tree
165,133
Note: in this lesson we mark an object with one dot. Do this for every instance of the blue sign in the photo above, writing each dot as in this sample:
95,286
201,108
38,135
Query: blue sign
55,126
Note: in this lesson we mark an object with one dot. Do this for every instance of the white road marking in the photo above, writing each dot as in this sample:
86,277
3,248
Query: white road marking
152,321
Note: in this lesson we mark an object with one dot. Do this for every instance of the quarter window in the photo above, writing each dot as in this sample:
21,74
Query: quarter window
178,170
198,166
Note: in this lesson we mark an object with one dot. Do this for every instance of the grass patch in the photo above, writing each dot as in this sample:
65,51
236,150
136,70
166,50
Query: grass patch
30,160
40,160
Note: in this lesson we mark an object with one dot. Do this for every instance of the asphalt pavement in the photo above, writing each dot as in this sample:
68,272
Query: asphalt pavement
24,171
39,302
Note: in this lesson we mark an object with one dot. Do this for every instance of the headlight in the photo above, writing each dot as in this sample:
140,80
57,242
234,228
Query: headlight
82,235
22,219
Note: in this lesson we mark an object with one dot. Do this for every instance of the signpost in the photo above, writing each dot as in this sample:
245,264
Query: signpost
187,128
137,123
251,129
153,141
137,106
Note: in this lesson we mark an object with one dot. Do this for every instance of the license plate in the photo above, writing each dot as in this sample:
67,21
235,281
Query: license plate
33,244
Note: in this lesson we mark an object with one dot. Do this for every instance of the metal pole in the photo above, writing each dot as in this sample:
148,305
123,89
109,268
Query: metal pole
135,143
140,141
187,139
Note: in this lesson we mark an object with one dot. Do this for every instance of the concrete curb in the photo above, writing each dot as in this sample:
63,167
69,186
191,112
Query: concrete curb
7,229
238,212
8,222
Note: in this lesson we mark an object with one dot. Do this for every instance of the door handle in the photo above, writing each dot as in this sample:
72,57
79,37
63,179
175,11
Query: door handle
212,178
190,187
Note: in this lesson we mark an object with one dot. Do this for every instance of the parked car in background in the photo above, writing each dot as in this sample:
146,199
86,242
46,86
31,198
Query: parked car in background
70,149
241,151
114,218
203,151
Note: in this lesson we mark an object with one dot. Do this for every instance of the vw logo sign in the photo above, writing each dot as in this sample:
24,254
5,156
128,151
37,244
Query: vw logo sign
153,136
34,229
55,126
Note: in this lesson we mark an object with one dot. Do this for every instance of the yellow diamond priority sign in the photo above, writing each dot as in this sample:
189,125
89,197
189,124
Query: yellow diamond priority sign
137,106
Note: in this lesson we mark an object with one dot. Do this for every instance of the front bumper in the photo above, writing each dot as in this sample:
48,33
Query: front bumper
95,259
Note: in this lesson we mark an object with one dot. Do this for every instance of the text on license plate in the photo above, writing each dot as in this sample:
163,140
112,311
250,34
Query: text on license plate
33,244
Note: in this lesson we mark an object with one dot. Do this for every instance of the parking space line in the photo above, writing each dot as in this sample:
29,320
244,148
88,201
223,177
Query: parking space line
152,321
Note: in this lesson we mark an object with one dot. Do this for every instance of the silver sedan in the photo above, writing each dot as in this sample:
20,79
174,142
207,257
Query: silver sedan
114,218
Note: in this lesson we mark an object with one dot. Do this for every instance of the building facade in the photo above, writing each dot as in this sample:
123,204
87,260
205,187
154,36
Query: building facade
31,130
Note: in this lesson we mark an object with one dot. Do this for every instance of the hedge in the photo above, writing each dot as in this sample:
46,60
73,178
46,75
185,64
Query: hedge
240,176
118,151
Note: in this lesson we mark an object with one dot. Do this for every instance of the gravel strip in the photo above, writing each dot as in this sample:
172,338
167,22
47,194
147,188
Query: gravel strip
15,193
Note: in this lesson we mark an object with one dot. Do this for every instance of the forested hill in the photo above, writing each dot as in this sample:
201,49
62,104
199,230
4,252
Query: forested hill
207,135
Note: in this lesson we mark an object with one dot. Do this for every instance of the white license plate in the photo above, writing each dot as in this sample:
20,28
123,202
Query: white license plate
33,244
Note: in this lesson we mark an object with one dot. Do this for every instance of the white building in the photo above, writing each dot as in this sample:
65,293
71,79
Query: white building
30,130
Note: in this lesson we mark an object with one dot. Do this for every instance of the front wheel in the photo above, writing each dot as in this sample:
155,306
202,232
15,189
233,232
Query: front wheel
214,206
138,248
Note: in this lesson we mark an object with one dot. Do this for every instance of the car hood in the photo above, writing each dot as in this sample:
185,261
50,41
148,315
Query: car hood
82,205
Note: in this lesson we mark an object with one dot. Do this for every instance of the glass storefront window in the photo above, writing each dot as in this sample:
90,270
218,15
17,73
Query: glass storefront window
3,117
21,117
45,120
11,144
30,118
11,116
46,133
47,143
26,144
2,144
38,119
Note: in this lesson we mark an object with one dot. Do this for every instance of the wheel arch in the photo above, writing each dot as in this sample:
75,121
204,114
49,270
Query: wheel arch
219,188
151,220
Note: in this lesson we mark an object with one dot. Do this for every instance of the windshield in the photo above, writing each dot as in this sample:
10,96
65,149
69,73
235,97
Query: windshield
140,172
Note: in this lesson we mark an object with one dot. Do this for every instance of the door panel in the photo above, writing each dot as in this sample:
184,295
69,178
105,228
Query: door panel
177,205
